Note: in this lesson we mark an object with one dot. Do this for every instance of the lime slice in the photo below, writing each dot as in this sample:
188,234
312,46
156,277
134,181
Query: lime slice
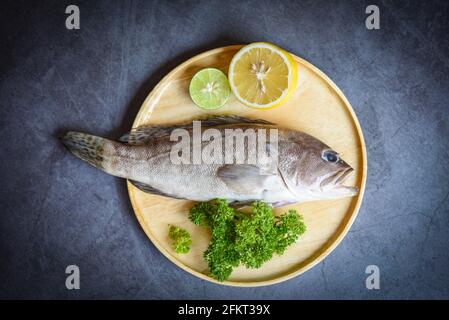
209,88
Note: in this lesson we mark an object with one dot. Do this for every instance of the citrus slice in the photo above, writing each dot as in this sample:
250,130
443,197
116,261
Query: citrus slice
209,88
262,75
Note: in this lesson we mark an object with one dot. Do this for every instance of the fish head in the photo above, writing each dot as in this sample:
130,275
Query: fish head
316,171
333,172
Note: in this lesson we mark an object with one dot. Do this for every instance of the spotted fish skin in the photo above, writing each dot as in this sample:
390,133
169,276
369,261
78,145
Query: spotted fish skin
87,147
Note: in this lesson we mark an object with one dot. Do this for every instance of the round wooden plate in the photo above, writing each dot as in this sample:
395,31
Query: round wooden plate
317,107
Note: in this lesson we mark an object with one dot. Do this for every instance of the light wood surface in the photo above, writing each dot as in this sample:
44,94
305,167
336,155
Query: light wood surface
318,108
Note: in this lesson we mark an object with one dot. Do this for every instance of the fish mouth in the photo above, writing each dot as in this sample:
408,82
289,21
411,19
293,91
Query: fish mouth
335,184
337,178
342,190
342,176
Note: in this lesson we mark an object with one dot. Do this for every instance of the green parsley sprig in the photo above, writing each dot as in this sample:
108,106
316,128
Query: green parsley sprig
244,239
181,239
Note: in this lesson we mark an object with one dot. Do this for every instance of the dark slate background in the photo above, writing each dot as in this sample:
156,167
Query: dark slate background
57,211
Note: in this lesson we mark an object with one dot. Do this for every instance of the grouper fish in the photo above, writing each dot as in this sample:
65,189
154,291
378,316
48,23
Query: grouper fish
304,169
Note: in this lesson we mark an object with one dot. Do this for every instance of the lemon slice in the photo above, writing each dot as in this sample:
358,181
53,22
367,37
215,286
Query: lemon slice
262,75
209,88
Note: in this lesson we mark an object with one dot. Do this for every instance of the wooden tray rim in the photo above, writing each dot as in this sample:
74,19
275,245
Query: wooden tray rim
325,251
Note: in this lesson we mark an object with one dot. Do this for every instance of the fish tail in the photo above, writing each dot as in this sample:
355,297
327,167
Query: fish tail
87,147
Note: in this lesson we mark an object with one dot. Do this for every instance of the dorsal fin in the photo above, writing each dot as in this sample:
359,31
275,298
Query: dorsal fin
142,135
232,119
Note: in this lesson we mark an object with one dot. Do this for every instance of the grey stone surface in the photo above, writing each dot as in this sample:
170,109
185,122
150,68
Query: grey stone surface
57,211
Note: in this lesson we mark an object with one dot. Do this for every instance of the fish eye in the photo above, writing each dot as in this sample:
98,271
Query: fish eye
330,156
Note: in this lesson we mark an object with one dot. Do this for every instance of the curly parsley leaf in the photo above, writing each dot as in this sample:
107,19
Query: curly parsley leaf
181,239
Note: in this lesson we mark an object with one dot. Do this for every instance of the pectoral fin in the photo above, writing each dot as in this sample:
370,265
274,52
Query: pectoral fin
246,179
